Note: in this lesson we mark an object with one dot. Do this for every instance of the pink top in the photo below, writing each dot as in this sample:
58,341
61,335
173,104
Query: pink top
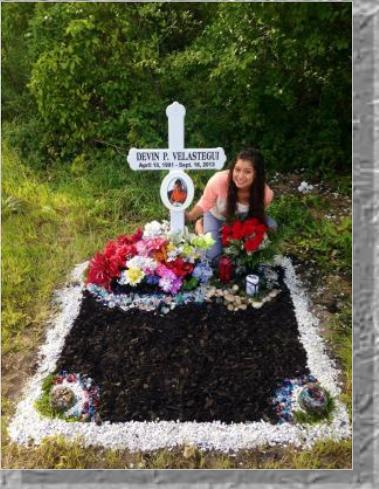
215,194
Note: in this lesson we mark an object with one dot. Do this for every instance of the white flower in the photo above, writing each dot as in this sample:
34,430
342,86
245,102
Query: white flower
266,242
305,187
153,228
142,262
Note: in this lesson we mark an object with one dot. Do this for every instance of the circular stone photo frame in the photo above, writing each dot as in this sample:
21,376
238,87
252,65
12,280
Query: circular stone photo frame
177,191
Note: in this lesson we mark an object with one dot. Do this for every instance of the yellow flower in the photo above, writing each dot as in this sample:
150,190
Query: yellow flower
204,241
188,250
134,275
171,247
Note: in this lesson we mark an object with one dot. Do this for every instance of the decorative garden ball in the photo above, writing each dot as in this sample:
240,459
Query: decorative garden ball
313,398
252,284
62,398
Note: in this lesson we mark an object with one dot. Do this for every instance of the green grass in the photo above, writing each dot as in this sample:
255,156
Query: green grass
58,453
339,335
301,233
60,216
52,221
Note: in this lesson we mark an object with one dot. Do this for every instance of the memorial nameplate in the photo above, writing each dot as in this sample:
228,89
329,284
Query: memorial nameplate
186,159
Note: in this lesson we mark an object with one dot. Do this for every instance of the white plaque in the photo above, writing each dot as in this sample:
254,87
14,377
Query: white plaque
181,159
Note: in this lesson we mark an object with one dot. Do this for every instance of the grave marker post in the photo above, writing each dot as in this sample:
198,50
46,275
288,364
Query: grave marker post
177,188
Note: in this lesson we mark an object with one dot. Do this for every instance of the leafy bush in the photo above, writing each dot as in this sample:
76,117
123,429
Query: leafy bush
101,75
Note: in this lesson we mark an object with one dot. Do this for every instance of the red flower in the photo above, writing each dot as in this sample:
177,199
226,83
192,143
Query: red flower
250,232
253,225
237,230
114,266
121,254
110,249
180,267
117,254
226,234
253,243
98,271
124,239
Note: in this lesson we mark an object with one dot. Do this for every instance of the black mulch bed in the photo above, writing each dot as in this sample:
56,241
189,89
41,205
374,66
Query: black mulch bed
197,363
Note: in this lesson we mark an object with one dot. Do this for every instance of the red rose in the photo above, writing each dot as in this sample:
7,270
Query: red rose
253,225
253,243
237,230
226,234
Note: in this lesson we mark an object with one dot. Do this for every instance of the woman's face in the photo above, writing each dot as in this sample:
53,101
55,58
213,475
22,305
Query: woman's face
243,174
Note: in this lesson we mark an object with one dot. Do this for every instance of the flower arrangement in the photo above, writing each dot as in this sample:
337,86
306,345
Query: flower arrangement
154,260
241,240
70,396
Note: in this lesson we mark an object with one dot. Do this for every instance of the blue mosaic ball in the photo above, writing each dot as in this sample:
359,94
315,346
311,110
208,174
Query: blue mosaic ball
62,398
313,398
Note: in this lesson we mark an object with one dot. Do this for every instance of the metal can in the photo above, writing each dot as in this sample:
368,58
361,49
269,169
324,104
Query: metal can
252,284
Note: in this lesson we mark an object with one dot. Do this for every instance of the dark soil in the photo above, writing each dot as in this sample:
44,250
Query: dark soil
200,362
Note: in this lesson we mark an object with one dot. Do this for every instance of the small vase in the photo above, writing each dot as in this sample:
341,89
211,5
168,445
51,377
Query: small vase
225,269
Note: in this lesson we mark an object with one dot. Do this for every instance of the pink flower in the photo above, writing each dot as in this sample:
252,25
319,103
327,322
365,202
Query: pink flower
155,243
141,248
164,272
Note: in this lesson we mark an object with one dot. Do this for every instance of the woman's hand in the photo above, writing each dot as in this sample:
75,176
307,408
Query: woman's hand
194,214
199,226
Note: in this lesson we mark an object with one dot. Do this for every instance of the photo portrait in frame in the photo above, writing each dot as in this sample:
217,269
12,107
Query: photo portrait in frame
177,190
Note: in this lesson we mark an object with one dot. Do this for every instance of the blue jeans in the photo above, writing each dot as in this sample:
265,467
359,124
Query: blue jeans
213,225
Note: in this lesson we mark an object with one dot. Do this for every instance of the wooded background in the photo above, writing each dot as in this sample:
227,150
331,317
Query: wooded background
86,81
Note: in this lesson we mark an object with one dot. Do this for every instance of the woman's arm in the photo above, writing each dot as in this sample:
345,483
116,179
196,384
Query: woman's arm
194,214
269,195
215,184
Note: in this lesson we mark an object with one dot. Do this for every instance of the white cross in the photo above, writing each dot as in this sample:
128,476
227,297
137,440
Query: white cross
176,159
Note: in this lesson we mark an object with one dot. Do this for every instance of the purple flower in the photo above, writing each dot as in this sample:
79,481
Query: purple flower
170,284
152,279
202,272
176,285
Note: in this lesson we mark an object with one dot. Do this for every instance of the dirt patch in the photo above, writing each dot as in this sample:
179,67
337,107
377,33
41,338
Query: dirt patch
17,366
200,362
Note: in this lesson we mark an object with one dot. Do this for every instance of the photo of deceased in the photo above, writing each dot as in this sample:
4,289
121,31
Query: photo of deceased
177,192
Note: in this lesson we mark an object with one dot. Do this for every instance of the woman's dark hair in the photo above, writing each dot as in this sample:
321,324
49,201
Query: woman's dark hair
257,189
178,182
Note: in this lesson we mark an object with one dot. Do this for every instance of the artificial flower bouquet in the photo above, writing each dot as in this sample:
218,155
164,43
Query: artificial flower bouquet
152,260
242,239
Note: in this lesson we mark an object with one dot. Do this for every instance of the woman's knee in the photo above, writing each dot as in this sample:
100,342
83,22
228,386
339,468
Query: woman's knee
271,223
213,225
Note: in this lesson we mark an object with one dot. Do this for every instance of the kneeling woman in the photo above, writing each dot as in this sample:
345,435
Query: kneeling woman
238,192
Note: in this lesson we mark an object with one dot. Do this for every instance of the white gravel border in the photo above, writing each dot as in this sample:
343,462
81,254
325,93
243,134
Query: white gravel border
28,426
